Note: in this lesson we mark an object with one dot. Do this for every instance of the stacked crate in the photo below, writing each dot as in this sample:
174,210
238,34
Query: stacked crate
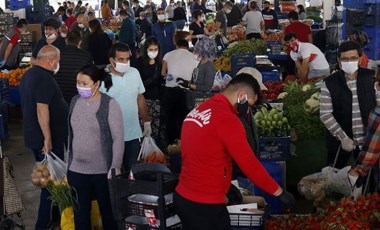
353,16
6,22
38,13
26,44
372,28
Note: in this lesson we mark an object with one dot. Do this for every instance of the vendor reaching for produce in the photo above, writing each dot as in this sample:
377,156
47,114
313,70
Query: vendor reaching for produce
310,61
197,28
204,74
207,148
347,97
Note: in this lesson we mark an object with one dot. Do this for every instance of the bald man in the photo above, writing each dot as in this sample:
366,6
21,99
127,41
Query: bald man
81,25
44,117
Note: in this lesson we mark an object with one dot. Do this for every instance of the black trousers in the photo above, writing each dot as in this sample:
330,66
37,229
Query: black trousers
198,216
88,186
175,112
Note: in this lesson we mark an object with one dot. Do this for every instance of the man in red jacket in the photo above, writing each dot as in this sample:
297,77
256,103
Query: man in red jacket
212,135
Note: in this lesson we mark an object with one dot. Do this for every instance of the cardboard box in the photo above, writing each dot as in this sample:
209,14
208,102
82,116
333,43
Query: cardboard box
36,30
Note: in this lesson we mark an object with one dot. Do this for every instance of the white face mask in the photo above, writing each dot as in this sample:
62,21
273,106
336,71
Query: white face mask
122,67
203,18
196,57
350,67
63,35
56,69
228,11
161,17
152,54
80,25
52,36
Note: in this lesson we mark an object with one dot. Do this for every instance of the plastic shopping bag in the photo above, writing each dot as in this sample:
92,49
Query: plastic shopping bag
220,81
67,218
337,180
150,153
313,187
56,166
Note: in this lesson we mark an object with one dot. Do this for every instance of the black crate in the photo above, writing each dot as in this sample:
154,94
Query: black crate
138,206
274,148
249,220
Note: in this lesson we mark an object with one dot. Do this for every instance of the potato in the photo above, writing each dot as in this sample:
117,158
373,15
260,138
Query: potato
45,172
44,182
36,181
40,167
38,175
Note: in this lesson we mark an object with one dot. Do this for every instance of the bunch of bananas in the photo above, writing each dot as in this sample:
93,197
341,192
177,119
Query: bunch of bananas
223,63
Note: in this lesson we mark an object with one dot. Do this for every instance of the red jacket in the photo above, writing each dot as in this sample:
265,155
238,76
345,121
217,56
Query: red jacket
212,135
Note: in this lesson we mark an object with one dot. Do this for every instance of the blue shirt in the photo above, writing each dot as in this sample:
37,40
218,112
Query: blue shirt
164,32
125,90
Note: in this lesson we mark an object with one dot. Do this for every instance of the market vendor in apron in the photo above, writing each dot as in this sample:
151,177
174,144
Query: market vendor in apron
212,135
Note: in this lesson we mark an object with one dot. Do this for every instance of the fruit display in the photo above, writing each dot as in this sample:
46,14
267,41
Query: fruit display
41,176
271,123
346,214
223,63
14,76
236,33
274,36
210,22
114,25
275,88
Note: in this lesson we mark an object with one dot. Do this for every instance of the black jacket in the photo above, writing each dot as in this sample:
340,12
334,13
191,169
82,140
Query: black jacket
72,59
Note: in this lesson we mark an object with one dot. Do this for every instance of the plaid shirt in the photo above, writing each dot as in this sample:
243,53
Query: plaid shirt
371,148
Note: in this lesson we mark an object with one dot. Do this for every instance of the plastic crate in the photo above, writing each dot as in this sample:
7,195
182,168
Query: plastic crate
354,4
372,9
14,95
373,33
248,220
274,148
372,1
239,61
18,4
275,47
276,171
373,52
138,203
4,90
271,76
6,19
372,20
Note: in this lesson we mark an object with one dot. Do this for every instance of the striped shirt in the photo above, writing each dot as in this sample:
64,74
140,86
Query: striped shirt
371,148
327,117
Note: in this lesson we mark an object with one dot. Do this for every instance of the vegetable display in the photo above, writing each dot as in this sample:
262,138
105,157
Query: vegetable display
346,214
301,104
14,76
271,123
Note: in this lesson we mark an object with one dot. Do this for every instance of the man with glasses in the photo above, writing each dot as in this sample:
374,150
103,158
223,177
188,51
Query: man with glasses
310,61
347,97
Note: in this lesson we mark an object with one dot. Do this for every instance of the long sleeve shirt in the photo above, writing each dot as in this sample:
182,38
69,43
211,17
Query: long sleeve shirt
208,147
371,148
327,117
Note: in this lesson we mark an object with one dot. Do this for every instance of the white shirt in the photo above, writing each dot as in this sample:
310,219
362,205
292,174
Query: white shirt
307,50
253,19
316,3
181,63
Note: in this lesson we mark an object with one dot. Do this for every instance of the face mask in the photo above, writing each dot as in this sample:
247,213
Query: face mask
203,18
52,36
63,35
350,67
228,11
85,92
122,67
56,69
152,54
294,46
80,25
242,108
161,17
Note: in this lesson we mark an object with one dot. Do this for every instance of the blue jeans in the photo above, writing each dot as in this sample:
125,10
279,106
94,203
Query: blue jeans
131,152
45,211
88,186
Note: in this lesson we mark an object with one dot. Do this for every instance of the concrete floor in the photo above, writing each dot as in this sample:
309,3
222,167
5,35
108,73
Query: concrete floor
23,161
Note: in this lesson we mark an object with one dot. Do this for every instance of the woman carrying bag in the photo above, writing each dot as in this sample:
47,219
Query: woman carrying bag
96,145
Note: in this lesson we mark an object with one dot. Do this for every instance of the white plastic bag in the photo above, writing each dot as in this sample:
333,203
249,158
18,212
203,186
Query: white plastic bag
56,166
221,81
337,180
150,153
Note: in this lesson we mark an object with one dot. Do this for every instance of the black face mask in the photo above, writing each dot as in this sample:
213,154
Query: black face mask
242,108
